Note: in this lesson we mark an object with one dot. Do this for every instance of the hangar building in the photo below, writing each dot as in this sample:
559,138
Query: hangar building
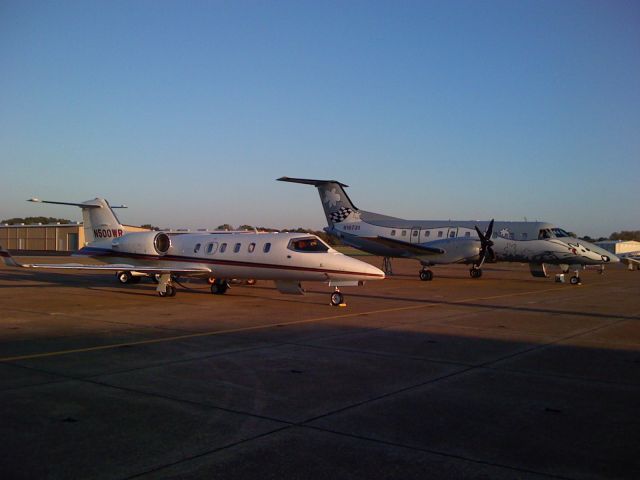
46,238
620,246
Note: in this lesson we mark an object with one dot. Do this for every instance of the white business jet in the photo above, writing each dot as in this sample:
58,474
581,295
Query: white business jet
286,258
434,242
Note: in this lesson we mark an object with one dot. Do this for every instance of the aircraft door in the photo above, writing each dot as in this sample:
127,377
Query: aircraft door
415,235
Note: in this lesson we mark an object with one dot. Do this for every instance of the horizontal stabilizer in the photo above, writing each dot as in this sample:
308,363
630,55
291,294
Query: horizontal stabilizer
309,181
414,248
81,205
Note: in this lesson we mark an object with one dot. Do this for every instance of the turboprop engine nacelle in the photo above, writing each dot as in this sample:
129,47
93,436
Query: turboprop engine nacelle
458,250
147,243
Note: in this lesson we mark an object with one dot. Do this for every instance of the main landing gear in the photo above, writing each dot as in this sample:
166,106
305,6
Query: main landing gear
219,287
387,268
426,275
475,272
127,277
165,286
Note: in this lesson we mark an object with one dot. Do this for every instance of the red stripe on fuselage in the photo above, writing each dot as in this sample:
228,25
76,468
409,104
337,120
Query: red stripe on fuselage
98,252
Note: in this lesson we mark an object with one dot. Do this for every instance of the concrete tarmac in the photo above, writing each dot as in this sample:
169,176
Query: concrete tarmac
507,376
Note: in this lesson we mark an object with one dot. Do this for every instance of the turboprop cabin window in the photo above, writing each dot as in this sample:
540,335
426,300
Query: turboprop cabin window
427,233
236,248
196,249
415,233
267,247
404,233
252,247
439,233
467,234
393,233
307,245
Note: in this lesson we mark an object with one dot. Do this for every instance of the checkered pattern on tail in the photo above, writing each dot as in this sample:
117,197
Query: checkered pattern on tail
340,214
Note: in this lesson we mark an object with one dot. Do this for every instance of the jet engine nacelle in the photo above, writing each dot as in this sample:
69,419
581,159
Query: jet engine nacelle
146,243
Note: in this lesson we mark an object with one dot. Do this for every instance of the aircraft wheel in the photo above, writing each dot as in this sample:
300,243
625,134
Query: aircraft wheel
124,277
574,280
219,287
336,299
426,275
475,272
251,281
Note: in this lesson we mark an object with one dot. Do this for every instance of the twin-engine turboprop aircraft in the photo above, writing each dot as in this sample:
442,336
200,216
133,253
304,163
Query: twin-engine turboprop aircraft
434,242
286,258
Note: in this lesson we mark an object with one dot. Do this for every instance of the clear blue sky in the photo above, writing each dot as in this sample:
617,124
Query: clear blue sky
188,111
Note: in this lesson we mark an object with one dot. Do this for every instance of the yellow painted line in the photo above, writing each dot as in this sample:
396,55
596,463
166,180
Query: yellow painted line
260,327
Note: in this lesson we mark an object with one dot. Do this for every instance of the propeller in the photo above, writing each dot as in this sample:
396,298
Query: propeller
486,244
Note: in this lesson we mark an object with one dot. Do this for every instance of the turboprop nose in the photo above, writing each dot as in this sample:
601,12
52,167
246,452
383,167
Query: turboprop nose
605,255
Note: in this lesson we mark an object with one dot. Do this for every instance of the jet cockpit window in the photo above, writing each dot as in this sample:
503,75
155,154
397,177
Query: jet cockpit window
308,244
558,232
544,233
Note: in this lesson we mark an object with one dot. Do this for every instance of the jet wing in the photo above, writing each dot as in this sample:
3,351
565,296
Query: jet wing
414,248
117,267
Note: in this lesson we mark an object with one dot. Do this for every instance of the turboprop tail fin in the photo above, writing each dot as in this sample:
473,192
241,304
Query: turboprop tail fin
337,205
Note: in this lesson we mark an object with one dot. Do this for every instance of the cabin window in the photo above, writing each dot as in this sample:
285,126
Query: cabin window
308,244
393,233
439,233
236,248
223,248
404,233
452,234
467,234
196,249
266,248
415,233
427,233
252,247
211,248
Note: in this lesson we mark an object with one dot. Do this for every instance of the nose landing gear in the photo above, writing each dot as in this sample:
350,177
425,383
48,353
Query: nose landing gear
337,299
426,275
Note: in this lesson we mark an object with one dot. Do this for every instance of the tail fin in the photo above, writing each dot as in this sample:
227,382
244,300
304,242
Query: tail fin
337,205
98,218
7,258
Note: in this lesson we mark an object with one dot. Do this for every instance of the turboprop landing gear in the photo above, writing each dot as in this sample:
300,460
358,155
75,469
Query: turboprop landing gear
219,287
426,275
165,287
387,268
575,280
475,272
337,298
